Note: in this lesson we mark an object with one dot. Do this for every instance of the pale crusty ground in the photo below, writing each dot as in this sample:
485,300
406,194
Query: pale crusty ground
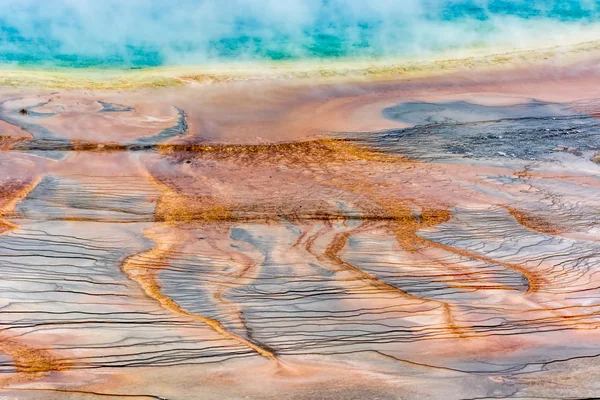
330,70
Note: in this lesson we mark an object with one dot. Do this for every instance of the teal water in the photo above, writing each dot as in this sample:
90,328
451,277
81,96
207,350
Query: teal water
137,34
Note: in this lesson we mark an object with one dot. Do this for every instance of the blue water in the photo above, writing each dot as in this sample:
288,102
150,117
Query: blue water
137,34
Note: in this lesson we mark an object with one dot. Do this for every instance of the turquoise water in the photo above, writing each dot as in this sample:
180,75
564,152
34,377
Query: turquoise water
137,34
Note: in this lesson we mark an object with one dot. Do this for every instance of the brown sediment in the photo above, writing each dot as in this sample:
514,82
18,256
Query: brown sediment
295,153
403,220
11,193
248,265
416,290
332,253
407,236
11,135
534,281
30,363
7,142
405,224
313,151
178,207
534,222
183,207
143,268
85,145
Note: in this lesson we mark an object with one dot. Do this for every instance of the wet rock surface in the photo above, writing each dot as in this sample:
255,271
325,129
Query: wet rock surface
455,130
147,259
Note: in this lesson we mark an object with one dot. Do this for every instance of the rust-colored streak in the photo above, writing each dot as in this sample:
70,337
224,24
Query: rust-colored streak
534,222
144,268
332,253
404,220
30,363
407,225
90,146
7,142
248,266
534,281
283,257
11,194
291,153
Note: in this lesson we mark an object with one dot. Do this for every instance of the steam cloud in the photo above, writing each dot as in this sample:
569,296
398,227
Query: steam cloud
156,32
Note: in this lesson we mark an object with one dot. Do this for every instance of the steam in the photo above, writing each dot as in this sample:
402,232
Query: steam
170,32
